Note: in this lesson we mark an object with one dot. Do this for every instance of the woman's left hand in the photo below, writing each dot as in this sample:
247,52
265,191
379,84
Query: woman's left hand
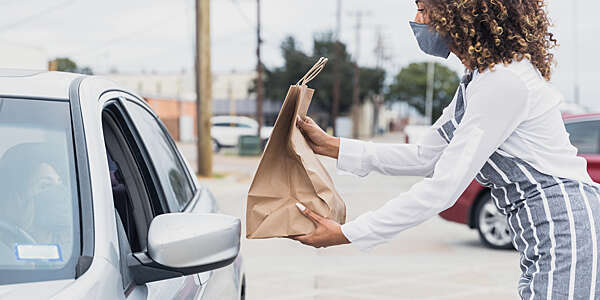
327,232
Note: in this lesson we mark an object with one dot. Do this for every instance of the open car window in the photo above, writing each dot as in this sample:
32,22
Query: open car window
173,175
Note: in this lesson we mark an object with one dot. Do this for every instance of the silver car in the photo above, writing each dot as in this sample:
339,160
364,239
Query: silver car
97,202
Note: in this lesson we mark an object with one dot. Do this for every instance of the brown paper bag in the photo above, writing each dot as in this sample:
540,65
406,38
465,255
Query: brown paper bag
290,172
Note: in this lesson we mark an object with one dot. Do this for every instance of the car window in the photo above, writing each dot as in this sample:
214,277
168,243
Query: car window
39,207
585,136
222,124
242,125
134,208
124,252
169,168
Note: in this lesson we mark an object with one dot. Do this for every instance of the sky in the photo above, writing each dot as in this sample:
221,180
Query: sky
157,35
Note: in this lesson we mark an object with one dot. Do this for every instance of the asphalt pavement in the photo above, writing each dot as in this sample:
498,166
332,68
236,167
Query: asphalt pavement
435,260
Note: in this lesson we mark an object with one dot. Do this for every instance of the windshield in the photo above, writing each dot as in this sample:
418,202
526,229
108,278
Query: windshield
39,219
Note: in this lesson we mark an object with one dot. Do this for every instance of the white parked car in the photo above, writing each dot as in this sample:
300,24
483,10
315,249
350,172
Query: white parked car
226,130
97,201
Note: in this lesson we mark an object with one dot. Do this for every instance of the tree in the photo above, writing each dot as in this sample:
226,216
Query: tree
65,64
410,85
296,63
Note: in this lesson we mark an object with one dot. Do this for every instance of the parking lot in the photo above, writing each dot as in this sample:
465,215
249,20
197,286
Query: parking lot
437,260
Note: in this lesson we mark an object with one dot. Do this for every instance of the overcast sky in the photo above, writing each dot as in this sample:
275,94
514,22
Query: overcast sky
136,35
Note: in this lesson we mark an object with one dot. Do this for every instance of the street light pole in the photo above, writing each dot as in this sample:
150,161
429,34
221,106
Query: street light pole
336,68
356,81
259,74
429,93
575,53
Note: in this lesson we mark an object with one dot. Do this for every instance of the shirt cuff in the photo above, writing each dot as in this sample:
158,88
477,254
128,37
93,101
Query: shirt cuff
360,235
350,157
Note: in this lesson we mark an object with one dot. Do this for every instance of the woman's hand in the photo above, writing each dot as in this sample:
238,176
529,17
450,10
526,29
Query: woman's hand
327,232
320,142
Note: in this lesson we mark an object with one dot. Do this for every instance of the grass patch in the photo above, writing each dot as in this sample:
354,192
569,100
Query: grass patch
218,175
215,175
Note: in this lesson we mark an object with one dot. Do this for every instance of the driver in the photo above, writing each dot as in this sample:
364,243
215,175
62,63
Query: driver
49,220
36,204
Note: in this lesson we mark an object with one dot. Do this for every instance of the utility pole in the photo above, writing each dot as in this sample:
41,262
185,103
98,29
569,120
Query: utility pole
232,103
381,49
259,74
336,68
429,93
203,88
575,55
356,81
381,56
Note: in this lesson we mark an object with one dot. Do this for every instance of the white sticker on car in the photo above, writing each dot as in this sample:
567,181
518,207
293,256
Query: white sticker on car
38,252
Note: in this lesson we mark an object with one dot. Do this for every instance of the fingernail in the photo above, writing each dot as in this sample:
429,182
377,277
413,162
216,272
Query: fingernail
300,206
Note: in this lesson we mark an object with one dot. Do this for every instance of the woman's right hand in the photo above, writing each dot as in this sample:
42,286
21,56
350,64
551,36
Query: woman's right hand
320,142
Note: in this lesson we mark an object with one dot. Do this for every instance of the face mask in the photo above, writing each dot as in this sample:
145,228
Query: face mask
52,210
429,41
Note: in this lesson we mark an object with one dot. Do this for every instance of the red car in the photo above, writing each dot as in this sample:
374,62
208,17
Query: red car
476,209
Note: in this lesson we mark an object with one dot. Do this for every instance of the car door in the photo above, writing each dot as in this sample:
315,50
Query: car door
585,136
174,181
141,149
182,194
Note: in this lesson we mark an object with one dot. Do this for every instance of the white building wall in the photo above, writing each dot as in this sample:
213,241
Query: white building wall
365,127
182,86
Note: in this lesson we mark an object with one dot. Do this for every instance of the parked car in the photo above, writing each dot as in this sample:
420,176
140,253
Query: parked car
97,201
476,209
226,130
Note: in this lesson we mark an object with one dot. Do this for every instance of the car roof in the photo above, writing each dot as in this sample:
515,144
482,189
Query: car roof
36,83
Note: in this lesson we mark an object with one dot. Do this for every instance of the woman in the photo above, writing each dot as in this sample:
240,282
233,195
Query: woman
36,199
503,128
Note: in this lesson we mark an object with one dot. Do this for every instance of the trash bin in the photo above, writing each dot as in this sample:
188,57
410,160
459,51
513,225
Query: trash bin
249,145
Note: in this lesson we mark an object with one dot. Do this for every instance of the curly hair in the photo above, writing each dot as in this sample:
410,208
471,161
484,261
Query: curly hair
484,33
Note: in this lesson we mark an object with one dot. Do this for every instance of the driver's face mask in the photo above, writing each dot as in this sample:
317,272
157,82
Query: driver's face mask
51,201
52,209
430,41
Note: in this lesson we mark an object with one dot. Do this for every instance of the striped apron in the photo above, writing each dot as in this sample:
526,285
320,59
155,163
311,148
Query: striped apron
554,222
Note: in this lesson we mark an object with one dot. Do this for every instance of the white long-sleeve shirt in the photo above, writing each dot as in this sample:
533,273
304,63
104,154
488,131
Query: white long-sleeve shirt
512,108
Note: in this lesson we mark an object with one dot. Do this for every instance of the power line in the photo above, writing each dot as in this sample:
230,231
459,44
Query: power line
247,19
34,16
252,23
125,37
380,50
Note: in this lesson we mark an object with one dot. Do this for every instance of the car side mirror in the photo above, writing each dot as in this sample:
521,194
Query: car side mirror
182,244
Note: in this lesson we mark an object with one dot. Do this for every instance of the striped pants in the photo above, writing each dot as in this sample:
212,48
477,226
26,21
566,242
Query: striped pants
557,233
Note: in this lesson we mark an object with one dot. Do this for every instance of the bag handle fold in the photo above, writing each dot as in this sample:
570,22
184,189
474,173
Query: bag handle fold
313,72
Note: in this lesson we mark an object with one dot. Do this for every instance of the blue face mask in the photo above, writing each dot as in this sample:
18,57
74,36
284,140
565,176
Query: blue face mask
429,41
